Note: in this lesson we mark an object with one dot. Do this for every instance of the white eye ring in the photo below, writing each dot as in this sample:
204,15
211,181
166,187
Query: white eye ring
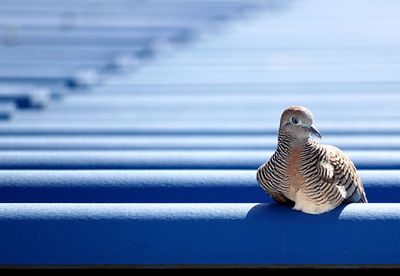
295,120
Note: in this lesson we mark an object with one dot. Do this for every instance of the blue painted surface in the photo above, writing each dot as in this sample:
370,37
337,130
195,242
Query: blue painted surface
171,107
147,186
185,128
6,110
196,234
169,159
181,142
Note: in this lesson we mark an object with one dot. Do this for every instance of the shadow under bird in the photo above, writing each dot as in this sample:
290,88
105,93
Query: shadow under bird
316,178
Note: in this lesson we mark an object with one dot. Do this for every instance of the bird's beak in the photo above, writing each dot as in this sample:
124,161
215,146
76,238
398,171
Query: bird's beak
314,130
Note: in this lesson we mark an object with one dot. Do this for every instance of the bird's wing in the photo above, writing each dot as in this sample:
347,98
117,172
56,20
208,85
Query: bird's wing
339,170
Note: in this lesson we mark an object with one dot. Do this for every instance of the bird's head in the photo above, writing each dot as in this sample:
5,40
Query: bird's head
297,121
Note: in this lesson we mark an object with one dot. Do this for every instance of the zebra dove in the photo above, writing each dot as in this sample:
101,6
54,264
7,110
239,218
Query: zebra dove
317,178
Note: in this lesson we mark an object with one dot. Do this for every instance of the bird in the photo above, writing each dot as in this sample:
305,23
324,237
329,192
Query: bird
317,178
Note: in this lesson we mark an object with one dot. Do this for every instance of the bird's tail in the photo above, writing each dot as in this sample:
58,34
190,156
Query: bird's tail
358,196
363,198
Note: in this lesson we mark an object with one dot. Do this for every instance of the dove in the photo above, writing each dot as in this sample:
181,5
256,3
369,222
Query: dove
315,177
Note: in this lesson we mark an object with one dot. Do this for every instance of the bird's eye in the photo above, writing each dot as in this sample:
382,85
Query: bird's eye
295,120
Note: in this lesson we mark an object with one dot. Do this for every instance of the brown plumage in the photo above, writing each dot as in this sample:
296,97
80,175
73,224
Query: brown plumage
317,178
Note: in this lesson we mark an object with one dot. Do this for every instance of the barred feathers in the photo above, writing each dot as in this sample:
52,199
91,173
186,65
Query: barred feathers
317,178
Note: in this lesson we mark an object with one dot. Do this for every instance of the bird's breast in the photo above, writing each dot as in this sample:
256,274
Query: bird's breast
295,176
